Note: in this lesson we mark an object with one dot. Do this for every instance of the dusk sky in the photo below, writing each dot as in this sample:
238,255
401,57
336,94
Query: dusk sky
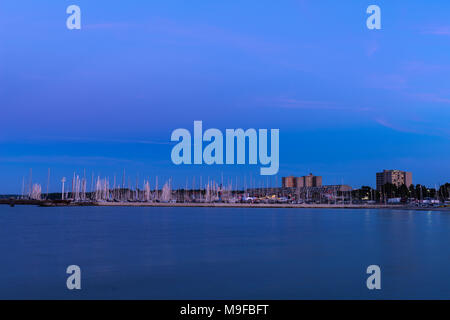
348,101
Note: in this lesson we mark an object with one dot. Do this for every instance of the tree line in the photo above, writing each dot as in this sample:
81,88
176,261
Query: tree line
390,190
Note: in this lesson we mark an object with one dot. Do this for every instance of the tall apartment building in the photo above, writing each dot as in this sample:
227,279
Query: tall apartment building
396,177
299,182
288,182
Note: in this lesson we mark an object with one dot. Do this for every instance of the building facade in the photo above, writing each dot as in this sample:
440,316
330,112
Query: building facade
396,177
300,182
289,182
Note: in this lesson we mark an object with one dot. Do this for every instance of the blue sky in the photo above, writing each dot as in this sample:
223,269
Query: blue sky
348,101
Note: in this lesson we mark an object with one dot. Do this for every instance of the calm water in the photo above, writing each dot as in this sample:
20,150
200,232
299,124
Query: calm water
223,253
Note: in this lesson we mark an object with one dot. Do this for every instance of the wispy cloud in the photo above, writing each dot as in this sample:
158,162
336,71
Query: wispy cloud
193,32
424,67
438,31
211,34
431,97
371,48
394,126
79,160
412,123
40,139
386,81
302,104
109,25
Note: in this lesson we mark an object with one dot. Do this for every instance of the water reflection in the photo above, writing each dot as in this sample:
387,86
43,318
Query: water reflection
210,253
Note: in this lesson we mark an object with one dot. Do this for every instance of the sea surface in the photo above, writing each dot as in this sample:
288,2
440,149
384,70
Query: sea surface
223,253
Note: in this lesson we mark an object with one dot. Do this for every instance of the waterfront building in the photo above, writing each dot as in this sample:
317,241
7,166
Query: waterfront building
338,187
289,182
300,182
396,177
317,181
308,180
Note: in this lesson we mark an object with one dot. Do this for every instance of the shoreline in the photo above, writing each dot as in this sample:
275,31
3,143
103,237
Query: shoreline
267,206
66,203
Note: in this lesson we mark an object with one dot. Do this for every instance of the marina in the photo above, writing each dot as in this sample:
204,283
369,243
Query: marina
295,192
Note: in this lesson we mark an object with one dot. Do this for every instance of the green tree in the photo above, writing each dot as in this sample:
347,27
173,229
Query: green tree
389,190
444,191
412,192
425,193
432,193
403,191
419,192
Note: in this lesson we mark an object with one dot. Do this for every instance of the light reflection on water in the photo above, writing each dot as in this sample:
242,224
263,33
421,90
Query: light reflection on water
223,253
